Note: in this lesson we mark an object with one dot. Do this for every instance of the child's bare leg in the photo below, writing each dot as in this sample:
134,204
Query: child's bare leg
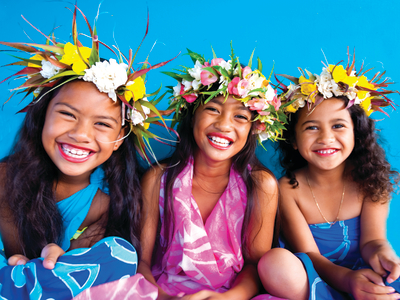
283,275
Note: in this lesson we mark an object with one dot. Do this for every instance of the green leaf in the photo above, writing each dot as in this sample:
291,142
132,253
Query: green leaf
214,55
212,70
251,59
259,64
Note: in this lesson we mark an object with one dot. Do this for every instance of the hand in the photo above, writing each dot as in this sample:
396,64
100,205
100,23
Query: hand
51,253
366,284
17,259
384,261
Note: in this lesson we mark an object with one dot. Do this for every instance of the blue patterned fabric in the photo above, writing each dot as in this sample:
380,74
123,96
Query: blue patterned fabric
110,259
340,244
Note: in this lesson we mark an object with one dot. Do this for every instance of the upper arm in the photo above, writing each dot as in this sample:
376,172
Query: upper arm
293,223
150,214
8,229
373,221
262,221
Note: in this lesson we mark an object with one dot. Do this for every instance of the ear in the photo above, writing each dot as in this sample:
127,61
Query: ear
294,144
120,139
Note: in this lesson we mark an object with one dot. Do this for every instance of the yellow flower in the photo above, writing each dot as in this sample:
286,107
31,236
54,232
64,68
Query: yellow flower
290,109
35,57
71,57
366,105
340,75
146,125
363,82
136,89
307,86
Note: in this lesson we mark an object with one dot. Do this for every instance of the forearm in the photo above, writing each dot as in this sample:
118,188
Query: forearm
145,270
246,284
334,275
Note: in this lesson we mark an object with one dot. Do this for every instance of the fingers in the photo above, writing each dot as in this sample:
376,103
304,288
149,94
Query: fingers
393,267
17,259
51,253
372,284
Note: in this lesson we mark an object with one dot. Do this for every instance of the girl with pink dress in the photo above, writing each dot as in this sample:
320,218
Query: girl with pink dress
209,212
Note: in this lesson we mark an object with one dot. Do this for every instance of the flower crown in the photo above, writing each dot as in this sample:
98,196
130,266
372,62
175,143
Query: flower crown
207,80
54,64
335,81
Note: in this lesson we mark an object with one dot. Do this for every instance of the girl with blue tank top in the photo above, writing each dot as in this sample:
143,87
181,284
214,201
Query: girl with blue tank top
71,181
335,193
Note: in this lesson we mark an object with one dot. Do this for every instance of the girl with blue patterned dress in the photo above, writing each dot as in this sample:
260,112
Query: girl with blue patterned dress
335,193
71,181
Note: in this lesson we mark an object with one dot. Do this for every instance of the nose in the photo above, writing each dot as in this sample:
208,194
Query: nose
223,122
81,132
326,137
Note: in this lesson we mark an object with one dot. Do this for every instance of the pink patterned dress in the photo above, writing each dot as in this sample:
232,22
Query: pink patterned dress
202,256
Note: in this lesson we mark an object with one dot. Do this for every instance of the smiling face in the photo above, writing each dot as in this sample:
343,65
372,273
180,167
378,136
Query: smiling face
80,129
221,128
325,138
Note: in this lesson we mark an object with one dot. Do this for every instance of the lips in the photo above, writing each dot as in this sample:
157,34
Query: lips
74,154
219,141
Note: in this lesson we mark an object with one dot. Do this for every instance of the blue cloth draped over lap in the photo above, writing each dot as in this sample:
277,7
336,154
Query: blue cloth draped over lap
112,258
340,244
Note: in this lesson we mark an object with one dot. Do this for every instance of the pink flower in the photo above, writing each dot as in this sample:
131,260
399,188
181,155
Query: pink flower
263,113
207,64
246,71
207,77
260,126
189,98
216,62
256,104
276,102
233,86
242,87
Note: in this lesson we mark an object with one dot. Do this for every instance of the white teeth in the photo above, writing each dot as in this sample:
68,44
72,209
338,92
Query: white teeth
326,151
75,153
219,141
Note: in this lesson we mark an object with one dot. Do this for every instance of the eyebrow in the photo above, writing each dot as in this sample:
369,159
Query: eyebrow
77,110
332,121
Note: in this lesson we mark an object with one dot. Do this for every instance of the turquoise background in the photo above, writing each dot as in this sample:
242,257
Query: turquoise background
289,33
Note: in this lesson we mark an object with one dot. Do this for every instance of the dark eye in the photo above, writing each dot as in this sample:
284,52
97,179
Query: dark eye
311,128
211,108
337,126
103,124
243,117
68,114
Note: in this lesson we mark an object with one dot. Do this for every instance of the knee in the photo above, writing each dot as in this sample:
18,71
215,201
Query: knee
275,260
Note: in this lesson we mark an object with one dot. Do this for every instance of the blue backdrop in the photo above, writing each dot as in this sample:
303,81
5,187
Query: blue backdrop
289,33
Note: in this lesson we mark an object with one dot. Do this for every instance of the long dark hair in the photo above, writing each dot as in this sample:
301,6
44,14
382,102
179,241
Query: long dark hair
180,158
29,186
369,166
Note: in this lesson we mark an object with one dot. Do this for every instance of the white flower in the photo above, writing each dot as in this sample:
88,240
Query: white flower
195,72
136,117
255,82
196,84
263,135
187,85
227,65
107,76
326,85
352,94
48,69
223,82
177,89
270,94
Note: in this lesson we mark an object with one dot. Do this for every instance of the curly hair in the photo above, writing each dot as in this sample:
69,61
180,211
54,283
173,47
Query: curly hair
180,158
29,186
370,168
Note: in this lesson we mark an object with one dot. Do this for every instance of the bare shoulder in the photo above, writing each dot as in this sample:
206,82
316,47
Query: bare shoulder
265,180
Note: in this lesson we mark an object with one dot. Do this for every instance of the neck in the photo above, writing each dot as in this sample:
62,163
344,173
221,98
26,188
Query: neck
210,170
66,186
323,177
